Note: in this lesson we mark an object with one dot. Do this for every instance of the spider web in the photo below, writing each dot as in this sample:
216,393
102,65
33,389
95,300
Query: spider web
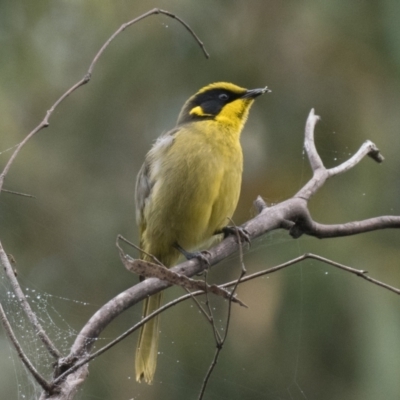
45,305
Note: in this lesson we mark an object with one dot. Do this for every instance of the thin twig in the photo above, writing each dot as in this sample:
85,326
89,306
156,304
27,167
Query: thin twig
320,173
357,272
240,245
233,292
218,340
310,227
209,372
199,306
26,306
219,344
217,336
235,283
238,281
7,327
367,148
120,237
154,11
87,77
259,204
309,143
18,193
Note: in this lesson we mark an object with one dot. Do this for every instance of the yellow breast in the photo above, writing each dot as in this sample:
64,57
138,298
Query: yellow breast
197,180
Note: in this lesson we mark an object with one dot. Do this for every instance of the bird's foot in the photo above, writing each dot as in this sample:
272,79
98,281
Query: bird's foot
203,255
237,230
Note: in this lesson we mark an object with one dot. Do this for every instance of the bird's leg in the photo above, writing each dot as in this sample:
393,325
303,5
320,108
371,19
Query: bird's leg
200,255
236,230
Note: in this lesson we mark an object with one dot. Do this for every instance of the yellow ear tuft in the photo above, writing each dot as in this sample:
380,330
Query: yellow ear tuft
199,112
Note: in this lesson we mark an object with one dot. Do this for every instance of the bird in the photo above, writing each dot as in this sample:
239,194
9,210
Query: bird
187,190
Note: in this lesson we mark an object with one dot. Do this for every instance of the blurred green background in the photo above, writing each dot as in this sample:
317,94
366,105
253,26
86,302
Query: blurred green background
311,332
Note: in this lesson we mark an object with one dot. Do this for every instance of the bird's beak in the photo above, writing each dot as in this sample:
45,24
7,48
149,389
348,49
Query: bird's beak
253,93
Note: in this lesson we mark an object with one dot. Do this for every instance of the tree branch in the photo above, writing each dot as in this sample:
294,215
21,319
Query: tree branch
358,272
18,193
8,269
309,143
308,226
320,173
7,327
219,342
45,122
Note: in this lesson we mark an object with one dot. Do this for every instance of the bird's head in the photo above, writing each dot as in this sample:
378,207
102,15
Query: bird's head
223,102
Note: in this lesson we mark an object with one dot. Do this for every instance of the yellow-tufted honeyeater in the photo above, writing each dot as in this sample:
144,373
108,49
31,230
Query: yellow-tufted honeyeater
188,188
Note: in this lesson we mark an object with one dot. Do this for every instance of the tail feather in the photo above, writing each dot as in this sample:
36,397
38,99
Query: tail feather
147,346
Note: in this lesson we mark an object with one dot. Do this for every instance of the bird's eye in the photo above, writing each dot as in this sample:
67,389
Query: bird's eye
223,96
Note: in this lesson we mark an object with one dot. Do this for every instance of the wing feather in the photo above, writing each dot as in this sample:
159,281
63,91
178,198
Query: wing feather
147,175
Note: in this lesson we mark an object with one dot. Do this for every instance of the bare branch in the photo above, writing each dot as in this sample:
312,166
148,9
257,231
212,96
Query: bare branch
209,372
259,204
320,173
321,231
199,306
7,327
87,77
367,148
309,143
25,305
120,237
18,193
240,232
154,11
358,272
217,336
218,340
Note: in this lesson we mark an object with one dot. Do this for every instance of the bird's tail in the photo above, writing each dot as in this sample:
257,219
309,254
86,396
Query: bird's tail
147,346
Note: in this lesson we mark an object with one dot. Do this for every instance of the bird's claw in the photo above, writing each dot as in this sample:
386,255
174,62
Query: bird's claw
202,256
237,230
